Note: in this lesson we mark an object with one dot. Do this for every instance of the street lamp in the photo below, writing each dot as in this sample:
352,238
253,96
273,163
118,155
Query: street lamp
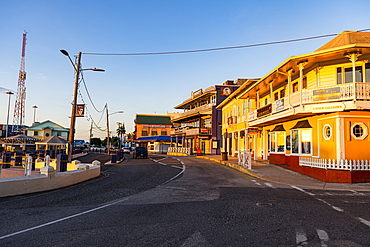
108,114
7,118
34,113
74,104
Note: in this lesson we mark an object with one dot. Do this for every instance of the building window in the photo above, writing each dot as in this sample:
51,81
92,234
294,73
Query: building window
367,72
277,142
35,133
154,132
282,93
348,75
144,132
163,132
359,131
327,132
304,82
295,87
47,134
301,141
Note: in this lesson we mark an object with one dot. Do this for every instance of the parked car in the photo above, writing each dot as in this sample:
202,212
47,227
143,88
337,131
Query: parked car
126,150
140,152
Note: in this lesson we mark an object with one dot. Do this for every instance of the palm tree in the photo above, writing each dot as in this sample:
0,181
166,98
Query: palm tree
121,130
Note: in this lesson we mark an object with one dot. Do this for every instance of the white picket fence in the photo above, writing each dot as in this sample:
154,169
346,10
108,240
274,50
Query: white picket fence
345,165
245,159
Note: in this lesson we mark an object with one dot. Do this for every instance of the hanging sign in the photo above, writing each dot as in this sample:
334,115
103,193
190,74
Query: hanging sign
80,110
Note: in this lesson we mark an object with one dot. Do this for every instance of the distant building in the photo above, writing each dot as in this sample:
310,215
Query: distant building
46,129
153,131
199,126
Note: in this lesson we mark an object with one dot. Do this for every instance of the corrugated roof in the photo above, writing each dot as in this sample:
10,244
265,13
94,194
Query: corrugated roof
153,119
347,38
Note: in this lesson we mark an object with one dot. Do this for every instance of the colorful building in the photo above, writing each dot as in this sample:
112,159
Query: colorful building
46,129
198,126
153,131
310,114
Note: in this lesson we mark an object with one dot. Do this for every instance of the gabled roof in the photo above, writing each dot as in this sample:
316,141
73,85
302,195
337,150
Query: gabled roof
53,140
48,124
347,38
153,119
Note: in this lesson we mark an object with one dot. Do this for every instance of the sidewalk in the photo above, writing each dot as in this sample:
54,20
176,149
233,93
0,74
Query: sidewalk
277,174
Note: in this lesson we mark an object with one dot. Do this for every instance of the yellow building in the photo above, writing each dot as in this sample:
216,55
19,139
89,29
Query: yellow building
310,114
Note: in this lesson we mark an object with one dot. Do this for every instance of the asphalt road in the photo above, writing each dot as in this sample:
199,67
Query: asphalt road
184,201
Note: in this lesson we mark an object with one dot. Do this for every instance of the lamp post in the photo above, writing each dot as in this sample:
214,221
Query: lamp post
74,104
108,114
34,113
7,118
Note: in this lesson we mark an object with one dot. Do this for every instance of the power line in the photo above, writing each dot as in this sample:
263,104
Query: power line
214,49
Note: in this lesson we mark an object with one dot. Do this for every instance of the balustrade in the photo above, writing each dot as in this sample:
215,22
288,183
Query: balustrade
346,165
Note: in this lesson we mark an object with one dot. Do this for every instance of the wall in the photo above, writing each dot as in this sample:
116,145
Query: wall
47,180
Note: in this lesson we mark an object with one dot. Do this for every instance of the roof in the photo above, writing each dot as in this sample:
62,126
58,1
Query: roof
53,140
19,139
347,38
153,119
47,124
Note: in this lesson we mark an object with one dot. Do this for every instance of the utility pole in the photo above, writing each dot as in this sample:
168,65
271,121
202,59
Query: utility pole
108,141
74,107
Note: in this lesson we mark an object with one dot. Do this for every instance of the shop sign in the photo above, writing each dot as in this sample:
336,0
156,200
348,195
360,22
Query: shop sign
326,94
204,131
80,110
196,93
155,126
328,107
266,110
279,105
253,130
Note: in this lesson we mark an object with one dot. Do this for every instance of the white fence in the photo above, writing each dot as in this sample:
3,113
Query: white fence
180,150
245,159
345,165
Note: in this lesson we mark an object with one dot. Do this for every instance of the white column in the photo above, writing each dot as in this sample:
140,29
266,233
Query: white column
340,147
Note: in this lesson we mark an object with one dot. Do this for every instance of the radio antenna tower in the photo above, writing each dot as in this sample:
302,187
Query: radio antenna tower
19,109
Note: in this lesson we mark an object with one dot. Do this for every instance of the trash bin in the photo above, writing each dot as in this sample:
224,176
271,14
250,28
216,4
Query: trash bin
224,155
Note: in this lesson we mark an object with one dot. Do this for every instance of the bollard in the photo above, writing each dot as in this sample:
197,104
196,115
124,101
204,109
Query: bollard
62,161
47,160
18,158
6,160
28,165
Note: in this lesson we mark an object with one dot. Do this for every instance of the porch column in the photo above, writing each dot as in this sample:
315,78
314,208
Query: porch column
271,91
289,73
257,99
353,55
301,65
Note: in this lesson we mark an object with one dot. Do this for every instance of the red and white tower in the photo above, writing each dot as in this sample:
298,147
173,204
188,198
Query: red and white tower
19,109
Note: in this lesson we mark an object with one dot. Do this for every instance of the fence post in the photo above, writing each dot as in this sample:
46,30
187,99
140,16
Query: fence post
62,161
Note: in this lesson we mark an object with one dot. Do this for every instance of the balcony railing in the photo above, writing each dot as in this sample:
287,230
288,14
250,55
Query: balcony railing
199,109
349,91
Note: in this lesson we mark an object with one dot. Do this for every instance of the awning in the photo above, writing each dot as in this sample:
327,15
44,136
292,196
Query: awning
279,127
304,124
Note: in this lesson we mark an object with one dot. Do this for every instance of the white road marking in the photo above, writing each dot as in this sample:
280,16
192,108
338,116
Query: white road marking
62,219
269,185
302,190
254,181
301,238
324,237
366,222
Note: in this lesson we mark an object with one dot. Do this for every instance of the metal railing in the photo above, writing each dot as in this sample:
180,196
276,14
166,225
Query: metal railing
196,110
332,164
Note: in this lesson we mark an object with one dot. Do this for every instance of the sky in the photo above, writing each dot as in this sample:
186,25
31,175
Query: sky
152,84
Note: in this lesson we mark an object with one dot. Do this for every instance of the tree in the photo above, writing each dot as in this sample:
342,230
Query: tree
96,142
121,130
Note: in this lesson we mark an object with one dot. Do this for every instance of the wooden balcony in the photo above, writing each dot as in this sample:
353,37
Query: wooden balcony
203,110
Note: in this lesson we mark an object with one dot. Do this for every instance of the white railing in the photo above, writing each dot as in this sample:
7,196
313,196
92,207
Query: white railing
245,159
181,150
195,110
332,164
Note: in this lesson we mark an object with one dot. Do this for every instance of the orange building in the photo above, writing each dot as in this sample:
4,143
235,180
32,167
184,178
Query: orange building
311,113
